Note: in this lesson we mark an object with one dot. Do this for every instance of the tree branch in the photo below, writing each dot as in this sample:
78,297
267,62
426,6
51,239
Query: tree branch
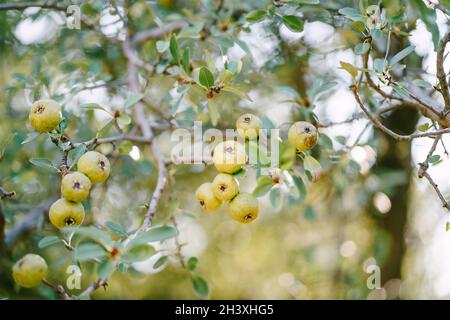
377,123
41,4
441,73
159,32
6,194
28,223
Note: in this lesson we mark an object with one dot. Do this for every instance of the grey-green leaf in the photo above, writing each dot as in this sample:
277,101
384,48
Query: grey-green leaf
48,241
401,55
89,251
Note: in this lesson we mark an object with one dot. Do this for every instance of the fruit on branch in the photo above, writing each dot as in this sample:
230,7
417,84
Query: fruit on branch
206,197
244,208
64,213
229,156
95,166
303,136
248,126
75,186
225,187
45,115
30,270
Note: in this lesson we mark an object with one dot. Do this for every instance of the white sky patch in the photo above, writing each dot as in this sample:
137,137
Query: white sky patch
41,30
112,25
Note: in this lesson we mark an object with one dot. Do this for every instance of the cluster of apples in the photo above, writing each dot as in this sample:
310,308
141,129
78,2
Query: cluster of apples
93,167
229,157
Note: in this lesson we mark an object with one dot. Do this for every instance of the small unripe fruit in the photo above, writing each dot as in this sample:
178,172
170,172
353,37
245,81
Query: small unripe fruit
75,186
206,197
29,271
244,208
248,126
64,213
45,115
303,136
95,166
225,187
229,156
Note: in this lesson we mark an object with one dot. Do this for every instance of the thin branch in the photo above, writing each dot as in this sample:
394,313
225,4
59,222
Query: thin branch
421,106
377,123
445,204
441,73
27,224
97,284
122,137
59,289
159,32
437,6
41,4
141,119
356,116
6,194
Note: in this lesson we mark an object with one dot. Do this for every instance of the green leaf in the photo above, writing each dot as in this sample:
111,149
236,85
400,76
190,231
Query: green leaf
401,55
362,48
132,100
434,158
326,140
91,232
422,84
200,287
263,185
63,125
424,127
105,269
89,251
116,228
205,77
349,68
293,23
275,197
186,59
299,184
174,49
43,163
31,136
75,155
138,252
192,263
48,241
157,233
256,15
313,167
94,106
351,13
125,147
236,89
123,120
162,46
160,262
358,26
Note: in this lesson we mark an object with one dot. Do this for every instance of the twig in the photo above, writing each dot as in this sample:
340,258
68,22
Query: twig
437,6
377,123
97,284
6,194
59,289
29,223
445,204
154,33
441,73
41,4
